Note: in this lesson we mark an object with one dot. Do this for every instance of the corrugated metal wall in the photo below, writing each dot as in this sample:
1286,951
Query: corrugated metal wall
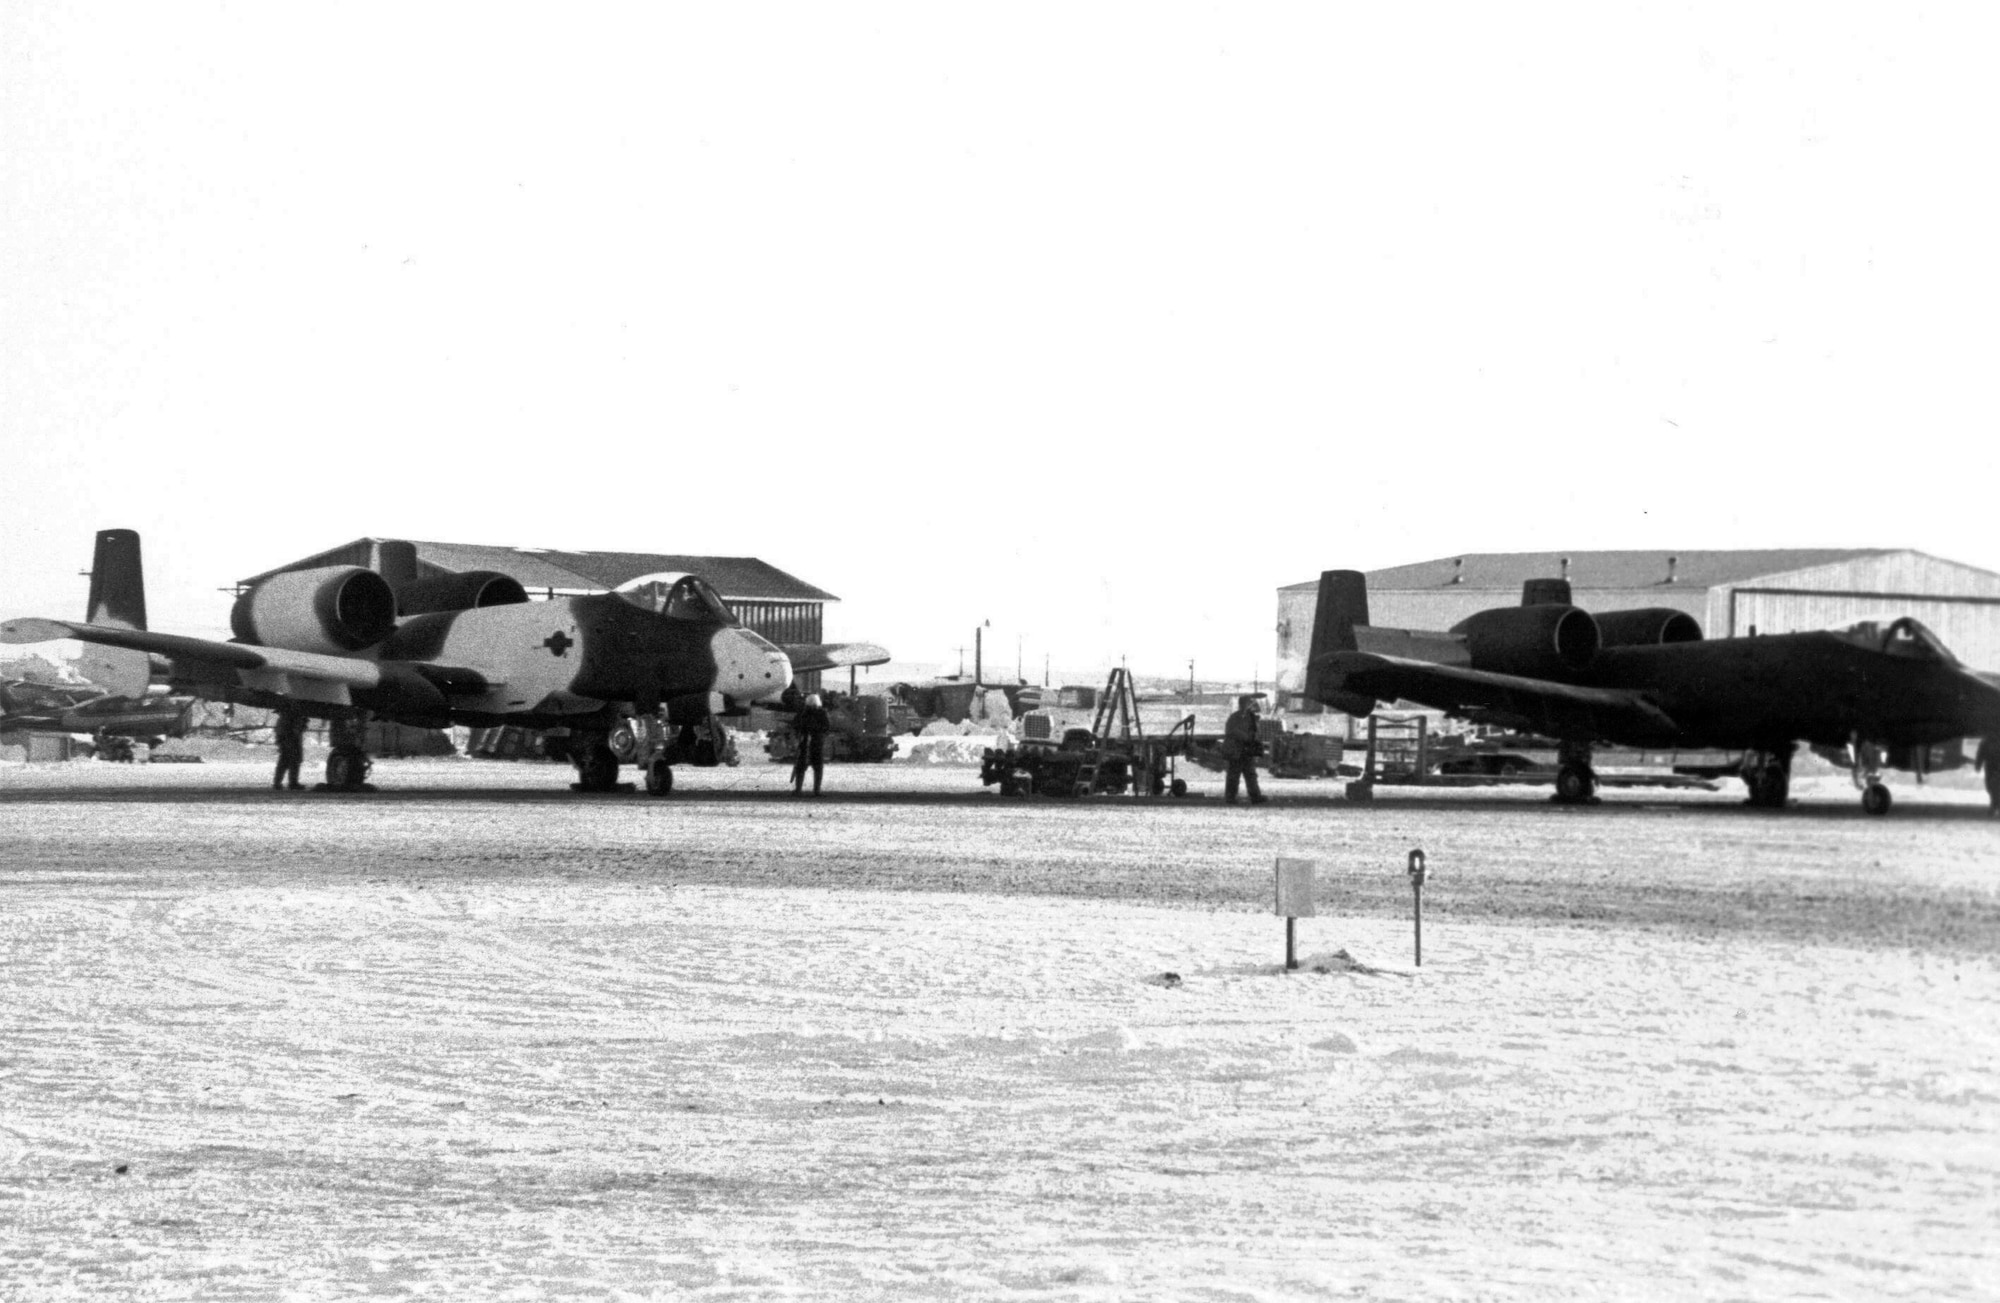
1893,572
1970,626
1959,603
782,622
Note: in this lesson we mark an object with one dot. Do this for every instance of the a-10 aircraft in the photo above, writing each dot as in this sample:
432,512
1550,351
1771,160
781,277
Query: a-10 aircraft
1647,678
346,644
117,712
27,707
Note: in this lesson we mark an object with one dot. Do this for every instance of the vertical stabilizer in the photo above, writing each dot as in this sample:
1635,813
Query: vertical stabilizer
117,582
1546,592
118,598
396,562
1343,604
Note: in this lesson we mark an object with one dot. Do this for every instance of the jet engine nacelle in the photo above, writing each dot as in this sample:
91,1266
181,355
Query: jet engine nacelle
1650,626
461,592
1533,641
335,611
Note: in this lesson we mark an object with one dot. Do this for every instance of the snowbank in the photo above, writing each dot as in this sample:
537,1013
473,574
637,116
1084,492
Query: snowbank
965,749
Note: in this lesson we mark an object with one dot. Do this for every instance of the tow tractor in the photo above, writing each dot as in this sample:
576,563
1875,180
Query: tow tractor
1113,755
862,730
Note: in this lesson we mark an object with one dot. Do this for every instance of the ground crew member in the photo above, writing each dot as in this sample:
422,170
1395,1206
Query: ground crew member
812,724
291,735
1988,761
1241,748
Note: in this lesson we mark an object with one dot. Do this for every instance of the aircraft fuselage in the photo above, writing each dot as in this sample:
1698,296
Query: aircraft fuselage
536,664
1765,692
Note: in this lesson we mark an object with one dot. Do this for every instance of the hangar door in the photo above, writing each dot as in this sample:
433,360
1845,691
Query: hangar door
1970,626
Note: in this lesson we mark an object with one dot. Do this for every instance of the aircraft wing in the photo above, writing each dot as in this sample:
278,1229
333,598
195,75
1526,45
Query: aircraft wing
307,676
806,657
1543,706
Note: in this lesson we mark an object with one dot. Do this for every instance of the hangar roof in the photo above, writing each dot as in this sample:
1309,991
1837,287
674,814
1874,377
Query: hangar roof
740,578
1506,571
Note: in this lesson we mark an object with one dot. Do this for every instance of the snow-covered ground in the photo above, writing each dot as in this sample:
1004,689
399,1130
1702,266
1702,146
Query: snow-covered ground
478,1036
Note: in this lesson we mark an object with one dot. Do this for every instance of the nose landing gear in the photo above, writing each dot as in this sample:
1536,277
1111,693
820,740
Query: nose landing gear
1866,758
659,778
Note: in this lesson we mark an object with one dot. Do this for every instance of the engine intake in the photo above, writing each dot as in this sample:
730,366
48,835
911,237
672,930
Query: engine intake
333,611
461,592
1650,626
1534,641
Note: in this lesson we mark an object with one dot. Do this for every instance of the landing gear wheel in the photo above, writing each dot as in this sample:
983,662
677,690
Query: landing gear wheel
1770,786
1575,784
659,778
347,770
1875,799
597,770
1178,787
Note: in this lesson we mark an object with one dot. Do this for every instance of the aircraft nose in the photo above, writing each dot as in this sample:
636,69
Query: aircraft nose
748,668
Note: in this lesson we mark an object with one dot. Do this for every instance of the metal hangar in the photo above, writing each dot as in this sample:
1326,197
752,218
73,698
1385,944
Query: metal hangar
1732,593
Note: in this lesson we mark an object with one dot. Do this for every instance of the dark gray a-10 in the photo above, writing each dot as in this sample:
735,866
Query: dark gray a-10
1874,693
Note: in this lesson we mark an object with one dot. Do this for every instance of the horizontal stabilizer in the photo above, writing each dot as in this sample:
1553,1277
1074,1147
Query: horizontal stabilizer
33,630
807,657
192,656
1541,705
1413,644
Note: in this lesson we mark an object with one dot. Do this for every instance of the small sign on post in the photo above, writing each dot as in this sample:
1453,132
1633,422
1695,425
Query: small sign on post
1295,900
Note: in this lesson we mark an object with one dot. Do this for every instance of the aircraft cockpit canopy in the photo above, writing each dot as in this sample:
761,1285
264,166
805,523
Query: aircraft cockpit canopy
677,596
1905,637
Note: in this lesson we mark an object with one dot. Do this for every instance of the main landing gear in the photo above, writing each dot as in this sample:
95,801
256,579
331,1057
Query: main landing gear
1768,775
348,764
1866,759
596,764
644,741
1576,781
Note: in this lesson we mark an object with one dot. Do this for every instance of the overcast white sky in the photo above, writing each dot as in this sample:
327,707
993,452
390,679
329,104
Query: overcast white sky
1099,323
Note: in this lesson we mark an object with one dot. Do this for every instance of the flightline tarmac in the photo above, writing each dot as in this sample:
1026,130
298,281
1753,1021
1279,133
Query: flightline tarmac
475,1035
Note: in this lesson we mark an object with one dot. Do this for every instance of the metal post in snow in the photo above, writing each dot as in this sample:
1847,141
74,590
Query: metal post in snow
1417,872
